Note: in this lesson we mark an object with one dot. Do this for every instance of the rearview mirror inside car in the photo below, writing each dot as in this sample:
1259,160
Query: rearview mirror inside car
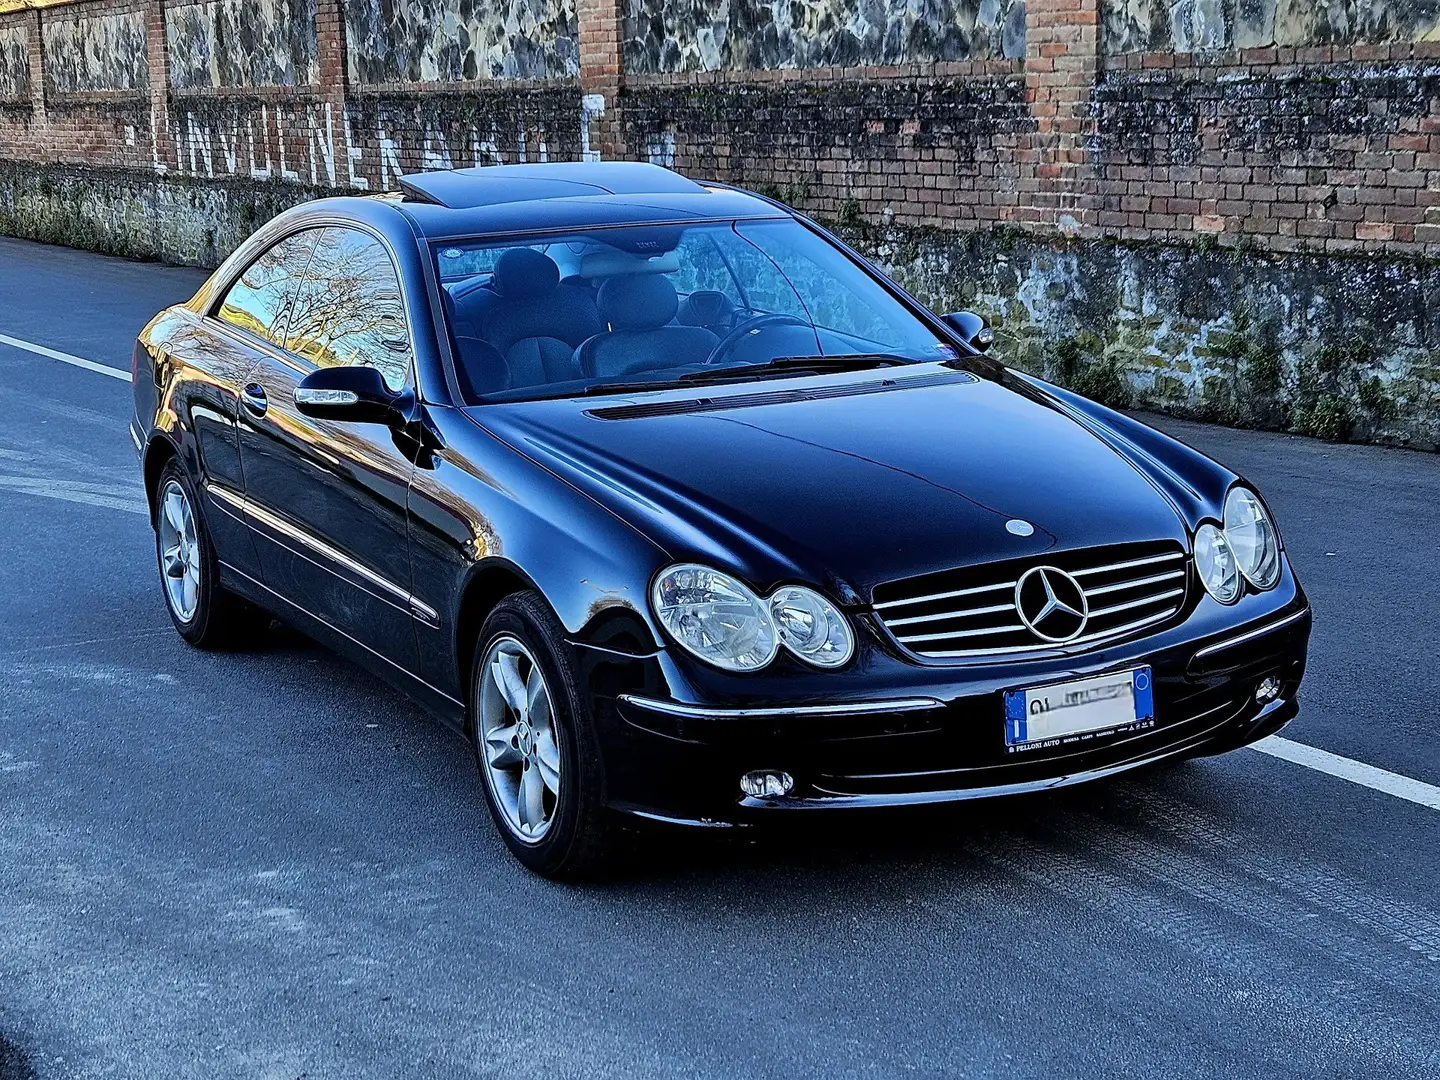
357,394
971,328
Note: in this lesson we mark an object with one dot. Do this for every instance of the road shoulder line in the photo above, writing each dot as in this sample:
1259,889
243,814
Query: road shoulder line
1357,772
64,357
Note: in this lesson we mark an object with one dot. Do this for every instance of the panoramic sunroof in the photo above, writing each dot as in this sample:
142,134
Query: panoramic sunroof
495,184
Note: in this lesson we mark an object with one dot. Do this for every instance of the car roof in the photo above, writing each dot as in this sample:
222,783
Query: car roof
500,199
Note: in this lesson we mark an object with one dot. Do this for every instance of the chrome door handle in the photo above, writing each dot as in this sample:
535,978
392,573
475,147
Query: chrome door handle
255,400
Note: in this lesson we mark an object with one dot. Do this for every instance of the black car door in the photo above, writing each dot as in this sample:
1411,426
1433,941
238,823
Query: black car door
327,498
252,316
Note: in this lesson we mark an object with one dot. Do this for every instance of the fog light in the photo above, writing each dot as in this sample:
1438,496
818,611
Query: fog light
766,783
1268,690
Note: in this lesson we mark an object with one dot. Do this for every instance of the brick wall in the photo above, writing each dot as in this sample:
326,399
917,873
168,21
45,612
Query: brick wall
1297,137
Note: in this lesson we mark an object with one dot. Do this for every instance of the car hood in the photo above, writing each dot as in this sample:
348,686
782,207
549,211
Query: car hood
845,480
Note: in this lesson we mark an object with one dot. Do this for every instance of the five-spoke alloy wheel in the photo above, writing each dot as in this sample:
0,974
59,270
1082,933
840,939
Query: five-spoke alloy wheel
535,742
179,542
520,752
208,615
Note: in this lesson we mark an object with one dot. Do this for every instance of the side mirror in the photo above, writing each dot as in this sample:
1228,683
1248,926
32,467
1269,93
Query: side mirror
356,394
971,328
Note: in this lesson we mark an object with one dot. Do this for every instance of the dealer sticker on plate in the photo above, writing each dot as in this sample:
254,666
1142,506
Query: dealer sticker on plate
1072,712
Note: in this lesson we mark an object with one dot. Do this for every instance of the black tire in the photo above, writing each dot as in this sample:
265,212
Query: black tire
581,840
221,619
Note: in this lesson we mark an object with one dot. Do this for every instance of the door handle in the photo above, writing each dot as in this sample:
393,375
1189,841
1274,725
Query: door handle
255,400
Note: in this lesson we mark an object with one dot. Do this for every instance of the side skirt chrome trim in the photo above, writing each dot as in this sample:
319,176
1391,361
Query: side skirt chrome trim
416,606
859,708
1250,635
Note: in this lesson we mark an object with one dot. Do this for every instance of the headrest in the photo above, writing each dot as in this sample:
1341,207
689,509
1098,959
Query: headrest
642,302
704,307
524,273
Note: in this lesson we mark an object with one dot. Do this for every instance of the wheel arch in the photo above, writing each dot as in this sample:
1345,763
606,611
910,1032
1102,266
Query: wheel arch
488,584
158,453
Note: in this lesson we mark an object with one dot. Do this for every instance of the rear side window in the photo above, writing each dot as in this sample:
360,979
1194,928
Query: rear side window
261,298
349,311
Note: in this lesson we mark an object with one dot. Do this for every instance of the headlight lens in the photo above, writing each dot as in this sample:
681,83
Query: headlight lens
715,617
1215,560
1252,538
811,627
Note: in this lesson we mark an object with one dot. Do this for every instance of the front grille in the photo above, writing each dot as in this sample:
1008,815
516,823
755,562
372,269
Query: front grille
971,611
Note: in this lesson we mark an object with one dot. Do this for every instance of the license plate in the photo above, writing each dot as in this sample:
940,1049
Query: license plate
1075,711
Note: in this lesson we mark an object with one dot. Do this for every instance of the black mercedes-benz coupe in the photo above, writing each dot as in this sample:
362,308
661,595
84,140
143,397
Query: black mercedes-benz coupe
679,510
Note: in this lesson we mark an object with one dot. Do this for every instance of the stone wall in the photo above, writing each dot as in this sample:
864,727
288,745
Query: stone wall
14,61
95,52
767,35
1199,25
1229,208
425,41
240,43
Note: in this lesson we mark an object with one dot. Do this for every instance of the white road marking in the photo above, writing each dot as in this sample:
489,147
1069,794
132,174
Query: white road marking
1357,772
111,496
64,358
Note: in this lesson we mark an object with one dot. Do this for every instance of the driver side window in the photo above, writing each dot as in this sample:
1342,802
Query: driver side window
260,300
349,310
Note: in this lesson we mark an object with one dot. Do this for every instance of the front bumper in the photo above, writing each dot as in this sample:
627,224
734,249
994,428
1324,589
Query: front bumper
682,762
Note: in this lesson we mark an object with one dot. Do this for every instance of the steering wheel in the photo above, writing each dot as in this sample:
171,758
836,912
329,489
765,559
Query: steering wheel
730,340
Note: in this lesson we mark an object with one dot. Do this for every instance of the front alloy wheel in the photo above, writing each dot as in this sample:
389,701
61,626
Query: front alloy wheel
535,742
520,752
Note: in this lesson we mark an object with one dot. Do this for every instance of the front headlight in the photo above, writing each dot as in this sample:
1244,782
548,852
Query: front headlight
715,617
1252,537
811,627
1215,560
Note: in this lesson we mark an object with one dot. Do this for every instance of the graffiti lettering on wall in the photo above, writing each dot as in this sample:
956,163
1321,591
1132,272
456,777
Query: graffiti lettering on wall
367,146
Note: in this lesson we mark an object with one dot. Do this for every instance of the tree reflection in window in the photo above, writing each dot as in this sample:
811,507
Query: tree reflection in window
348,312
260,300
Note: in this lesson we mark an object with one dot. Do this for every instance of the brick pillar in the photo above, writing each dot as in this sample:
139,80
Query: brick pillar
1062,63
35,53
163,156
331,75
601,74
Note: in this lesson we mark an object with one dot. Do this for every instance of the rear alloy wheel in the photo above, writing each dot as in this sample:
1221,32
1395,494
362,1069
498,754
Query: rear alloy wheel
179,542
535,743
206,614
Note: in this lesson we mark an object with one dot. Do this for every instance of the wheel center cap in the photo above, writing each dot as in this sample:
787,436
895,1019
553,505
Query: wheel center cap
524,735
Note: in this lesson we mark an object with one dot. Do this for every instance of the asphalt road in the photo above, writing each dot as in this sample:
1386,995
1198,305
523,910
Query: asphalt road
269,865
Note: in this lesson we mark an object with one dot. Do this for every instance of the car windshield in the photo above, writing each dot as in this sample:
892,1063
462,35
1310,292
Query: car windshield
640,307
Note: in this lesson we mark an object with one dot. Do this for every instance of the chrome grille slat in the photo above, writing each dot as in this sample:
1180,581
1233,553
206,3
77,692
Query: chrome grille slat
1103,589
1144,601
946,595
1127,565
1084,639
1147,581
963,613
964,633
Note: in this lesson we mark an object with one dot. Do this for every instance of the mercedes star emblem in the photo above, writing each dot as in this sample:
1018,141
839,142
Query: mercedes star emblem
1051,604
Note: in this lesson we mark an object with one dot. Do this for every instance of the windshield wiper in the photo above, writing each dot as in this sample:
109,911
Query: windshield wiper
820,365
625,387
